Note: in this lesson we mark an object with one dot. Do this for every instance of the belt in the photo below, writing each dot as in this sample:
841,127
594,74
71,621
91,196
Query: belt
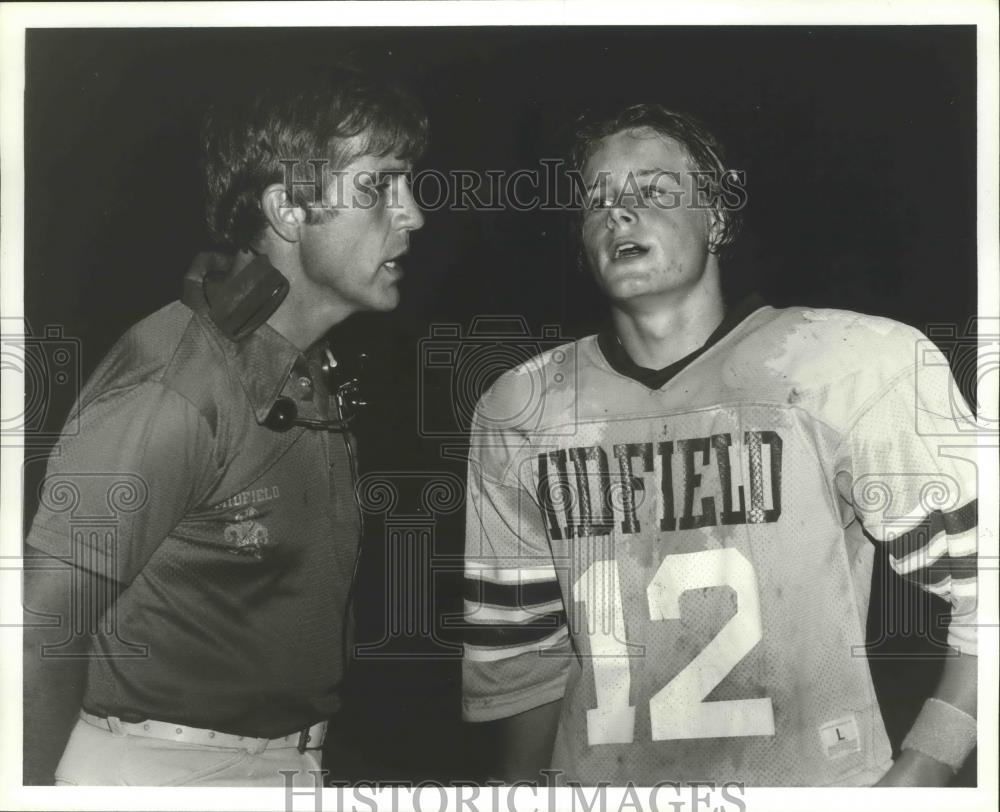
310,738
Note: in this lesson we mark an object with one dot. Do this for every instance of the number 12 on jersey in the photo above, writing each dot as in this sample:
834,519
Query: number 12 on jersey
678,710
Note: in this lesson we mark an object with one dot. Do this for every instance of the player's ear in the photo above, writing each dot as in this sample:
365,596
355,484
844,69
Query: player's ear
282,215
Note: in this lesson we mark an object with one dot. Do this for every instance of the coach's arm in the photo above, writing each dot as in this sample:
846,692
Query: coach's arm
55,655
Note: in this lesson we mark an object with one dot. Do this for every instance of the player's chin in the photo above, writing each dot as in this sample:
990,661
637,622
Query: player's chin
386,297
622,271
626,284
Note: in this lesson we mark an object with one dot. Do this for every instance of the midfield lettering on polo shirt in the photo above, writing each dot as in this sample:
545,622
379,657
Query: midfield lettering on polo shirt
674,484
252,496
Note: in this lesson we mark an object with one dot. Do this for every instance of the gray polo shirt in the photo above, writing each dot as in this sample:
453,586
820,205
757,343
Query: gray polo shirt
234,544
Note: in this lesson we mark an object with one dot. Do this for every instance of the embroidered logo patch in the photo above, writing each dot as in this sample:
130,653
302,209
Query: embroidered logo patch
840,737
247,536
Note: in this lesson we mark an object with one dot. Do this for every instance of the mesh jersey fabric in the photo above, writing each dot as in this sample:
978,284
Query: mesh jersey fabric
687,566
234,544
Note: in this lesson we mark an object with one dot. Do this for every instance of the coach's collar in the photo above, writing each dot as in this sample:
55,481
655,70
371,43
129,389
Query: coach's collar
264,361
614,353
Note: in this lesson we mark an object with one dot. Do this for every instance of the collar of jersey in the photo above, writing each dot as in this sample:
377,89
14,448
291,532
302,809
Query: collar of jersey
619,360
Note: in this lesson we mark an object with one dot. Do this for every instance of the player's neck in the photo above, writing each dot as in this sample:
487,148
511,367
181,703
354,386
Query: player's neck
656,337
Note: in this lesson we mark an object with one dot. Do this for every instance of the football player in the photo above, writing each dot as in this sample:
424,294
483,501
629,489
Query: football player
669,553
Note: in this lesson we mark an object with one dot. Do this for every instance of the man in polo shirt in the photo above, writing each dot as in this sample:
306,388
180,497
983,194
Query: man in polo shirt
669,554
213,433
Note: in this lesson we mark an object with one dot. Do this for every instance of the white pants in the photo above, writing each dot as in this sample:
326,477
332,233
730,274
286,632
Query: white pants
97,757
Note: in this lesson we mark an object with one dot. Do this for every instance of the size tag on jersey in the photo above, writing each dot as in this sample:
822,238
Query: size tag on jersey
840,737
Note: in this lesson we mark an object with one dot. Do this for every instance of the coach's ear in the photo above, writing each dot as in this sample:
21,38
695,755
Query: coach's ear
281,214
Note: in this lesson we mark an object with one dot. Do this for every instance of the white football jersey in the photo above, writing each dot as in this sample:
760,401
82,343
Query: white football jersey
681,555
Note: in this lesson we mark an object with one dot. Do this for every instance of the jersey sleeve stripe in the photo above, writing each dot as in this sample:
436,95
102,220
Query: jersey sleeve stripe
514,596
925,556
964,589
920,535
498,635
485,654
963,543
518,575
940,546
942,589
484,613
962,519
963,566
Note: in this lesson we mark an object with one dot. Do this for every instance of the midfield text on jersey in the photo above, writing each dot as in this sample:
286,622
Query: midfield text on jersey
695,482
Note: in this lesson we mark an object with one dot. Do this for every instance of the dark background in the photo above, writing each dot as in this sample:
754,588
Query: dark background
859,149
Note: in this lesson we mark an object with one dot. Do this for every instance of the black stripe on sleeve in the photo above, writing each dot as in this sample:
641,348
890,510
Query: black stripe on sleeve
960,567
515,596
496,635
952,523
965,518
963,566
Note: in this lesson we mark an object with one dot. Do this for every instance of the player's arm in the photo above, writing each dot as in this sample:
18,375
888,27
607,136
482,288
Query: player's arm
956,690
517,657
944,731
925,511
517,645
524,743
55,655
